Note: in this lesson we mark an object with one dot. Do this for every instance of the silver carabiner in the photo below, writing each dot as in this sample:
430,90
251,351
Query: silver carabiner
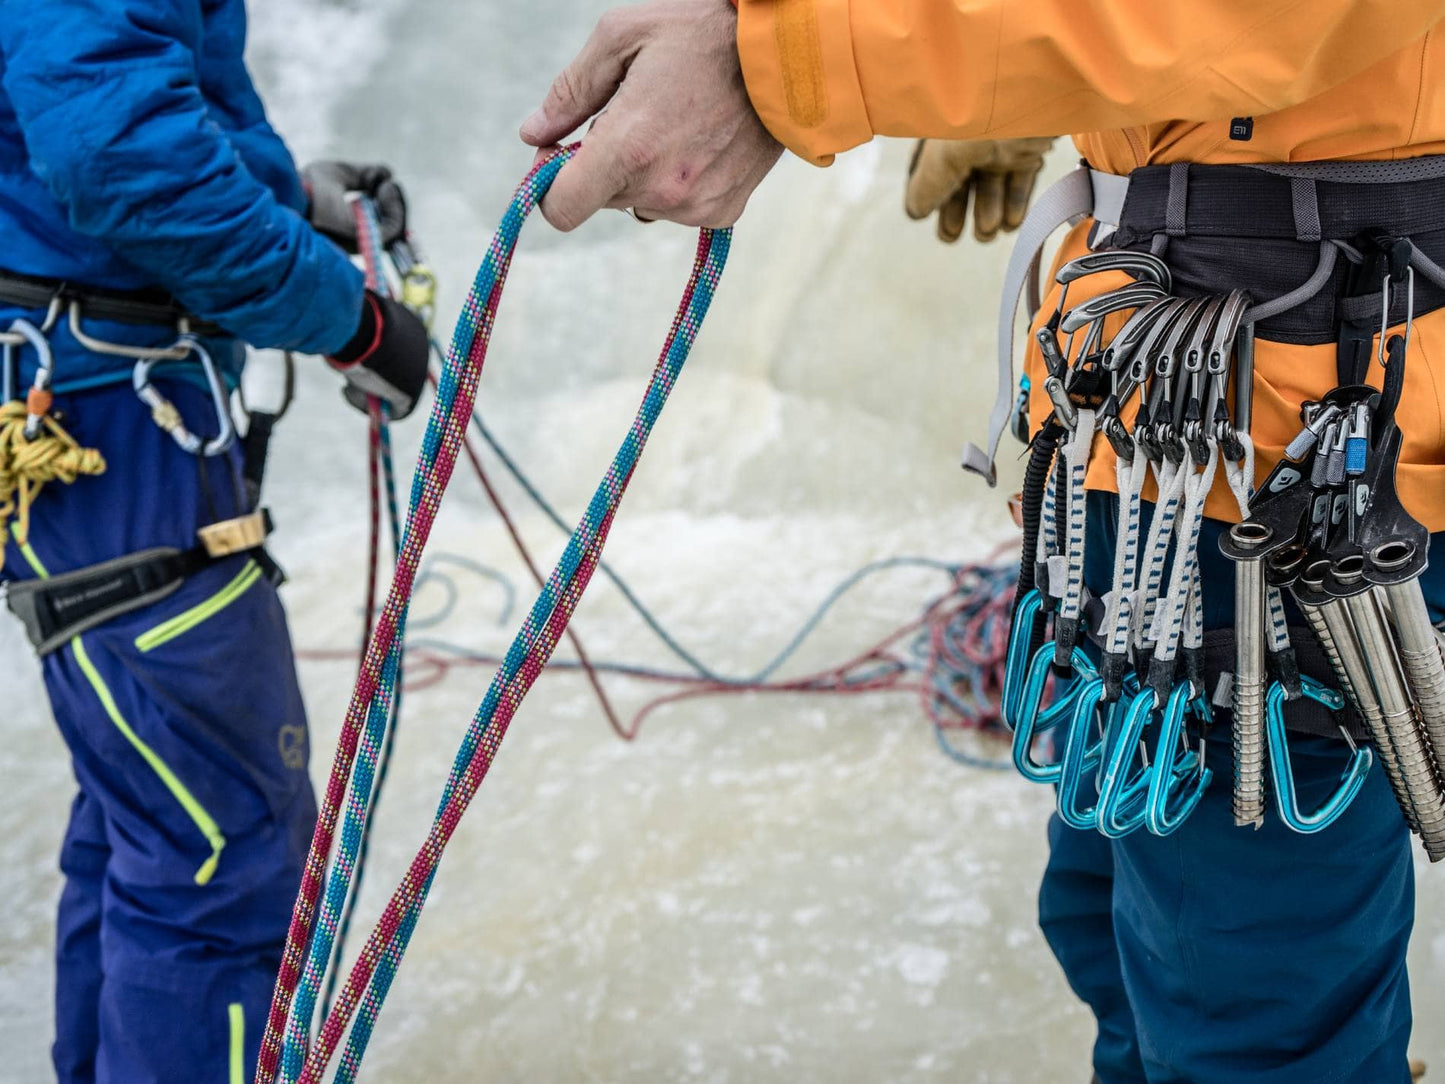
164,412
1385,311
44,374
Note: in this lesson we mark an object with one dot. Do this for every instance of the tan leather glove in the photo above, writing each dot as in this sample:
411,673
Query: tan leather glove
1000,173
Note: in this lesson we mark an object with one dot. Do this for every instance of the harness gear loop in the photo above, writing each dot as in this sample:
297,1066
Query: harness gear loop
179,351
34,447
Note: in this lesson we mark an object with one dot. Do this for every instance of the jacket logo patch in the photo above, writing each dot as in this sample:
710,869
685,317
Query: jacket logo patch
292,743
1241,129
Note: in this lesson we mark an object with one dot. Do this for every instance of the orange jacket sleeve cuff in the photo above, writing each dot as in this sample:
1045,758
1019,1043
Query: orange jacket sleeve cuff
797,58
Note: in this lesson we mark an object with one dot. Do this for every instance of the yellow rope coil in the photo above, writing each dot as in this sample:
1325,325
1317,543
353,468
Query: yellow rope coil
26,465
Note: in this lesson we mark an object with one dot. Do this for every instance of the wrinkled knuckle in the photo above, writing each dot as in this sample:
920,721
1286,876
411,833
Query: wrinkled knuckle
565,90
676,188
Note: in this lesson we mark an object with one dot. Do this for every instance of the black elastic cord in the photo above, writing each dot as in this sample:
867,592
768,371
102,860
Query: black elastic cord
1036,480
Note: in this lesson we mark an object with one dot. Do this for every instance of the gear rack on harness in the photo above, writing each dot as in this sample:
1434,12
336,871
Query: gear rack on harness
1168,381
56,609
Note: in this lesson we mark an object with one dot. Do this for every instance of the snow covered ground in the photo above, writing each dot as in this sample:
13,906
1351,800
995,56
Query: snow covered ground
760,889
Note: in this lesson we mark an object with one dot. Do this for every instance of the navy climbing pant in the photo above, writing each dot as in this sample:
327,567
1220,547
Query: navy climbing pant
1222,955
189,746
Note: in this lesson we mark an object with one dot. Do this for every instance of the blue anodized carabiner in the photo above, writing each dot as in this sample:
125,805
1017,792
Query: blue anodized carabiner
1017,669
1032,713
1178,782
1282,773
1083,751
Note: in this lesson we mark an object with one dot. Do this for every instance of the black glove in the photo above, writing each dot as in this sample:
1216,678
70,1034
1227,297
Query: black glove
387,357
329,183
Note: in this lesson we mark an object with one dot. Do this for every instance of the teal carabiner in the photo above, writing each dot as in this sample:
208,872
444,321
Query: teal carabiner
1016,669
1177,783
1016,662
1123,793
1082,752
1282,773
1032,714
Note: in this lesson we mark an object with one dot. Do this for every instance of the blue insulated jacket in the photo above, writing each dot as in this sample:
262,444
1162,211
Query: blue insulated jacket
135,152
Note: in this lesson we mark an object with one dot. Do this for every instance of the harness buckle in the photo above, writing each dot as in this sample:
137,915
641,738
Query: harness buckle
236,535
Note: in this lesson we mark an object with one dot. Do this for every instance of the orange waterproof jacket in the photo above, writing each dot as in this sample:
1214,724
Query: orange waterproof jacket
1136,82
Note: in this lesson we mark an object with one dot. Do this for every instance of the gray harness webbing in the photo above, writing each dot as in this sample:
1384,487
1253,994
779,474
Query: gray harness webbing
1091,193
1083,193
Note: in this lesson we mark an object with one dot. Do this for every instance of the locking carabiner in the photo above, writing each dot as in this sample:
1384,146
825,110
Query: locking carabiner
1353,778
38,401
165,414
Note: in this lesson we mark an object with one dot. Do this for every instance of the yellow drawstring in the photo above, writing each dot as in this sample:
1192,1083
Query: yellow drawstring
26,465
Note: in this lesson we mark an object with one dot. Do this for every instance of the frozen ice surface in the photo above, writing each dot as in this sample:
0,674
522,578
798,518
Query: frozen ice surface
761,888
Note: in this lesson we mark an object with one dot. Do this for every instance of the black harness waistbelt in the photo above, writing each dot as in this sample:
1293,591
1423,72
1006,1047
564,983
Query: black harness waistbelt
1319,201
142,308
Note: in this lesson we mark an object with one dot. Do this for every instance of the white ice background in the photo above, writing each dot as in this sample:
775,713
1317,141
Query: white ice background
761,888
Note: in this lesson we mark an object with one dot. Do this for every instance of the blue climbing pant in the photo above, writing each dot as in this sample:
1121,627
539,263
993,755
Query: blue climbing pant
189,745
1222,955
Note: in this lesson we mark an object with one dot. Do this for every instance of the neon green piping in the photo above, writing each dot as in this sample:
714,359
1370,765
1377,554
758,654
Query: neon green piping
197,812
167,631
238,1043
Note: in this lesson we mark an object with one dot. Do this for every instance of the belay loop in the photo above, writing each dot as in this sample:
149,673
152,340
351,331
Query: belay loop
285,1048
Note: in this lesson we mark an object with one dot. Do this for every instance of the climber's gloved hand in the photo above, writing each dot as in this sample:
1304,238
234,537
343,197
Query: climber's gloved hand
999,173
329,183
386,358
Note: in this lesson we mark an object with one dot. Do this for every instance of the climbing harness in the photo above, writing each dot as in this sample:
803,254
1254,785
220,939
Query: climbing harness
36,449
1325,528
285,1048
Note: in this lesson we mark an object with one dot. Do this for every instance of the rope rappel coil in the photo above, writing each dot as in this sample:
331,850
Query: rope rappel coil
285,1048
